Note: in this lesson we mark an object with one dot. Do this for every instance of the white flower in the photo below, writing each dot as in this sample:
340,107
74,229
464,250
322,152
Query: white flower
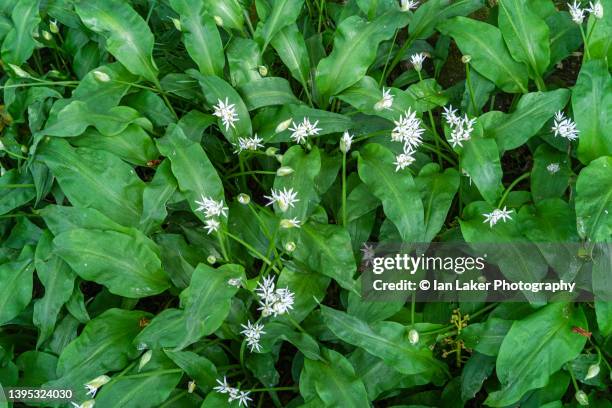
53,27
403,160
237,282
450,116
596,9
273,301
497,215
346,141
368,253
462,131
177,24
191,386
407,5
576,12
386,102
292,223
87,404
93,385
284,199
242,397
211,207
218,21
266,288
592,372
564,127
249,143
211,225
417,60
290,246
253,333
227,113
553,168
301,131
223,387
408,130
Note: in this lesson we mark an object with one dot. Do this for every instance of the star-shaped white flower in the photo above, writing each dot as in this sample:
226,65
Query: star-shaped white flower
226,112
223,387
290,223
450,116
403,160
553,168
300,132
284,199
497,215
252,334
95,384
386,102
408,130
596,9
462,131
249,143
564,127
211,225
211,207
417,60
346,141
407,5
576,12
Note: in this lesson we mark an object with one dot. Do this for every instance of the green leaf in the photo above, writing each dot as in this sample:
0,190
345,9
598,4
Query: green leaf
12,198
533,110
266,92
525,34
199,368
201,36
490,57
277,332
291,48
594,200
165,330
283,13
16,285
310,286
480,159
399,195
155,196
228,12
546,180
355,45
127,36
333,381
386,340
245,61
428,94
19,43
96,179
534,349
591,104
97,255
432,12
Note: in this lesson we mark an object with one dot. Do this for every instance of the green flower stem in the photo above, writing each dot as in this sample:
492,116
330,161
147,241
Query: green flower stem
344,223
16,155
41,83
587,54
373,134
17,186
540,83
151,373
433,127
398,57
250,26
383,76
437,151
470,89
321,8
296,324
222,246
172,400
17,215
244,173
511,186
253,250
165,98
274,389
263,271
412,307
588,37
571,373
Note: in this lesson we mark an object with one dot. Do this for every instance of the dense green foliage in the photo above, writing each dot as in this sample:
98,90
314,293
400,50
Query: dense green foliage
128,126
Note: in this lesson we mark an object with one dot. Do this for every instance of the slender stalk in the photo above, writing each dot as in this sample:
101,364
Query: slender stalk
433,126
587,54
253,250
244,173
398,57
511,186
17,186
344,223
274,389
383,76
470,89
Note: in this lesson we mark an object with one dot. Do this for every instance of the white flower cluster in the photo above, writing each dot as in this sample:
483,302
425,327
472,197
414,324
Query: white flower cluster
578,13
407,5
284,199
212,209
553,168
226,112
346,141
497,215
274,301
386,102
564,127
407,130
417,61
249,143
234,394
461,127
252,333
301,131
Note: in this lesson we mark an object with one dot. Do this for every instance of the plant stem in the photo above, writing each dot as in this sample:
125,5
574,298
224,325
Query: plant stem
470,89
344,189
433,127
244,173
511,186
150,373
253,250
383,76
398,57
274,389
45,83
587,54
17,186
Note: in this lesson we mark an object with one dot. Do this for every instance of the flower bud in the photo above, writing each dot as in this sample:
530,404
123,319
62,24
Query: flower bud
211,259
19,72
592,372
290,223
101,76
88,404
24,149
219,21
191,385
284,171
290,246
466,59
413,336
146,357
263,70
244,198
284,125
53,27
582,398
47,35
177,24
345,142
271,151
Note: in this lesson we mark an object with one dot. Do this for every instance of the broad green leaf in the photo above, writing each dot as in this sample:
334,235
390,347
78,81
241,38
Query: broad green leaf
228,13
37,368
283,13
326,249
480,160
245,61
201,36
208,298
486,338
199,368
591,104
564,36
19,42
355,45
155,196
490,57
333,381
311,287
216,90
58,280
277,332
533,110
12,198
427,94
525,34
96,179
165,330
594,200
430,13
127,36
104,345
63,218
550,173
266,92
400,196
478,368
194,173
600,43
437,192
291,48
534,349
386,340
16,285
99,255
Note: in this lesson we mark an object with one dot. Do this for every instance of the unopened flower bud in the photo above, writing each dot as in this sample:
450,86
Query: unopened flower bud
284,171
88,404
290,223
582,398
284,125
19,72
211,259
290,246
47,35
413,336
345,142
191,385
592,372
53,27
177,24
219,21
271,151
101,76
244,198
466,59
263,70
95,384
24,149
146,357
